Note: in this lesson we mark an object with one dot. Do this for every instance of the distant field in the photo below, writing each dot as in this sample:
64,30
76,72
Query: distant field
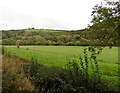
42,30
60,55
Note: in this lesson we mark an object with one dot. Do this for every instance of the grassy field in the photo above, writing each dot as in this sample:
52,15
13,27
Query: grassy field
60,55
42,30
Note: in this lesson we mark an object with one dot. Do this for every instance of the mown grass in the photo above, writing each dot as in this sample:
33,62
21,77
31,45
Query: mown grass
47,55
60,55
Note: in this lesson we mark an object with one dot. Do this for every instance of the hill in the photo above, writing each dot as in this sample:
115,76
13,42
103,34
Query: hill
53,37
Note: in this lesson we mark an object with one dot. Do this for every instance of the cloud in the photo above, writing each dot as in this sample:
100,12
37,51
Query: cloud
54,14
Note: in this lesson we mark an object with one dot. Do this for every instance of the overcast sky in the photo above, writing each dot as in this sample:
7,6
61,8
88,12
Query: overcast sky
49,14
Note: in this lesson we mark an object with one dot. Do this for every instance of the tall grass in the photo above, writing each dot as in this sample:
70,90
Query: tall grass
14,78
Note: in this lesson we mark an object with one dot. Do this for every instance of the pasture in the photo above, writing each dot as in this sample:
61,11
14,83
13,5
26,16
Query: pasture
60,55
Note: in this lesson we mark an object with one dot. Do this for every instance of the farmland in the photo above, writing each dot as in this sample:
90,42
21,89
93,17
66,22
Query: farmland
56,48
60,55
64,61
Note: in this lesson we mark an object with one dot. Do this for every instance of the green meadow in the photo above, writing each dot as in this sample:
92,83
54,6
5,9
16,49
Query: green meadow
59,55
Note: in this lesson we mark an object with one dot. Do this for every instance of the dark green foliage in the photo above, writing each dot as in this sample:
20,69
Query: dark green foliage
69,38
106,23
45,79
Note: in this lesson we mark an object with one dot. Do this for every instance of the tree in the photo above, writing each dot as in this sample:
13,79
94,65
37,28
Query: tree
105,27
106,22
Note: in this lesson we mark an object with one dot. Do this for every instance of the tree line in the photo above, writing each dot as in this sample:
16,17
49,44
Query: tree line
42,37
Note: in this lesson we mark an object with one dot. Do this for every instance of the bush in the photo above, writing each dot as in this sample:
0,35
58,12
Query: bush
70,44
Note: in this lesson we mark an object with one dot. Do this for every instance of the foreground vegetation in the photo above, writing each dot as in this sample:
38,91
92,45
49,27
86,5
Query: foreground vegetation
59,56
29,76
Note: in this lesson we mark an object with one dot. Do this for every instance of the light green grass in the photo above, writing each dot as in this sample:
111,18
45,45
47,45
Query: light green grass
60,55
42,30
47,55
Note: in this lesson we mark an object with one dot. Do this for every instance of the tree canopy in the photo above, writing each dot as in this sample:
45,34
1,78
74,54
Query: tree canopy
106,22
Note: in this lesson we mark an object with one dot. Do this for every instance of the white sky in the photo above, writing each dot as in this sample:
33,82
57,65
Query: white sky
48,14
